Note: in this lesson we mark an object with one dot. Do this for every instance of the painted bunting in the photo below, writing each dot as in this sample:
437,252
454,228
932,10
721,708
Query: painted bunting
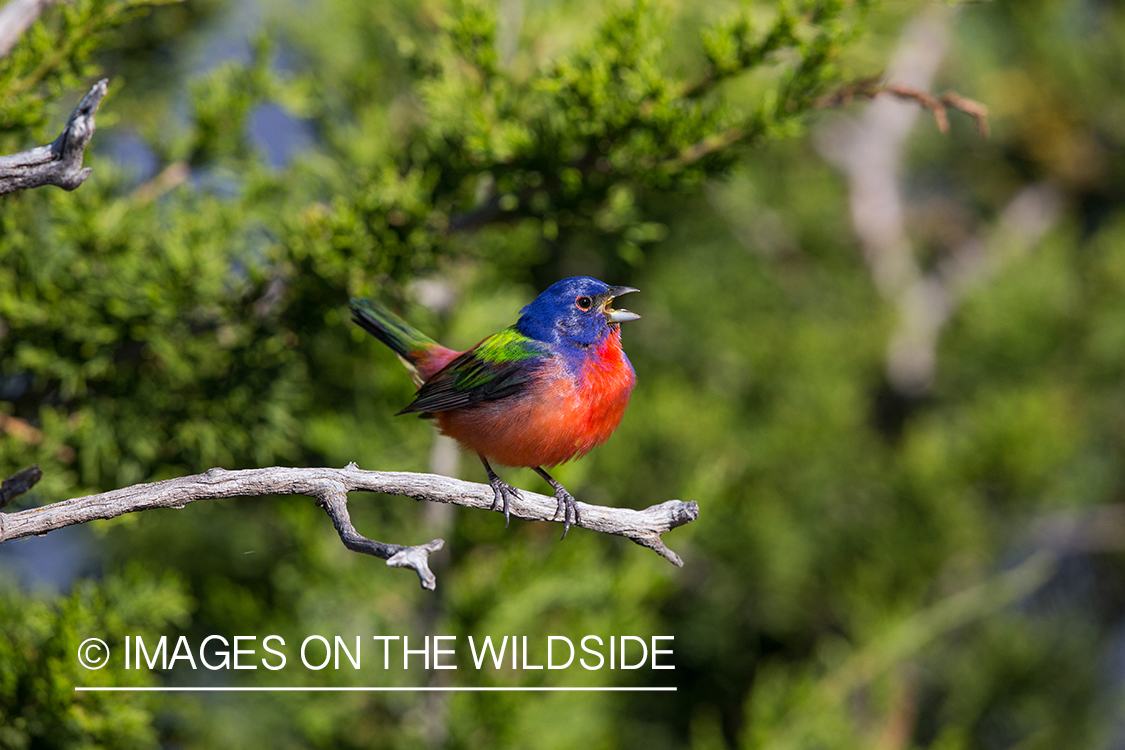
546,390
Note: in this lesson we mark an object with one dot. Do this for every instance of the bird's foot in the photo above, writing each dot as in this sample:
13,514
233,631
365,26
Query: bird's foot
567,506
502,493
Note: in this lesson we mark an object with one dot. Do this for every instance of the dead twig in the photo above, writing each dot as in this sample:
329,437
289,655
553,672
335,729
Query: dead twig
58,163
869,88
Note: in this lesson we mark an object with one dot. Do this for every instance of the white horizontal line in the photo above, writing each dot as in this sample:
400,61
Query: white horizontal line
373,689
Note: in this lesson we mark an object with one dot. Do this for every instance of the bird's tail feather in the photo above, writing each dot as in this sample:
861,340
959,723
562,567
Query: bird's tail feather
418,352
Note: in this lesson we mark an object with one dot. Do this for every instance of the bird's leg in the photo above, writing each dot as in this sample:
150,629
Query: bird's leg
501,490
567,503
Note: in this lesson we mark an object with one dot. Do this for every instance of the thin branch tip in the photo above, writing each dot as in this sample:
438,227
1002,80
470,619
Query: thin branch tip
670,556
418,559
59,163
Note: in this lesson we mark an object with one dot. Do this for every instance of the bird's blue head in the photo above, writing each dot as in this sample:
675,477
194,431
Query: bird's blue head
576,311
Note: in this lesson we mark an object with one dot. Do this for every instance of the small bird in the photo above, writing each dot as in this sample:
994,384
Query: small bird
548,389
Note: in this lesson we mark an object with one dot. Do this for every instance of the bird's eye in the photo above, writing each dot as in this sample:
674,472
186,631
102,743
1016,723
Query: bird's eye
584,303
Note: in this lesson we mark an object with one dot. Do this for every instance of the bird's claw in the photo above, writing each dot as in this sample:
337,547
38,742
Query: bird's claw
567,506
502,492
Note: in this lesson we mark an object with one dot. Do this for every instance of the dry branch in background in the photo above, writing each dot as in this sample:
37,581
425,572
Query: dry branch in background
870,88
867,88
16,17
330,488
58,163
869,150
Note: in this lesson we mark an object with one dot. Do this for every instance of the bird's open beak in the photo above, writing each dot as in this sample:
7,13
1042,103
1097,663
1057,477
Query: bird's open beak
618,316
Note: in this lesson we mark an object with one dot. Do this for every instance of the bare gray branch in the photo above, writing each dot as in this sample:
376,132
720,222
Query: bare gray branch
58,163
330,488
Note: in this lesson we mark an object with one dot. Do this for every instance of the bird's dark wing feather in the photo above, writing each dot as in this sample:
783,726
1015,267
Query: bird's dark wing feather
497,367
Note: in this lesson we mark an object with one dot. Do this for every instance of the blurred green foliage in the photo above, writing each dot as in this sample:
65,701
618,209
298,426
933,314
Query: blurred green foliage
53,56
37,650
862,573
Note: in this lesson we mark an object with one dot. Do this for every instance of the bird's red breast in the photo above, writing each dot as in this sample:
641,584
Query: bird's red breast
566,411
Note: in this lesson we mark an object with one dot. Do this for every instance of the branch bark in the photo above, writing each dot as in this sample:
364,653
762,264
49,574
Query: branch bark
330,488
58,163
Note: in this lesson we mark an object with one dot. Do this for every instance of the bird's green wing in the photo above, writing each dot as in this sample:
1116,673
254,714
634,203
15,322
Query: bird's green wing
497,367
